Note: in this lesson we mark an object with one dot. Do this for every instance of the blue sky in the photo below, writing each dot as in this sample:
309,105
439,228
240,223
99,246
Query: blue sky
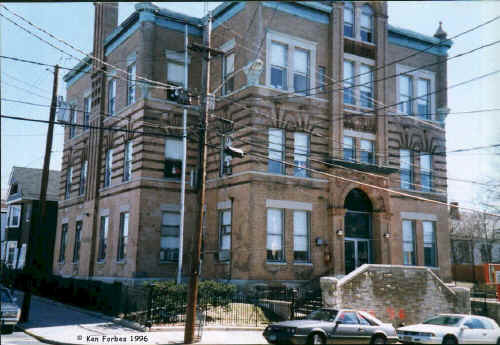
23,143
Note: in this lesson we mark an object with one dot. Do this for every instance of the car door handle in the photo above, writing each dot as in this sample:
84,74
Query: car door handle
361,330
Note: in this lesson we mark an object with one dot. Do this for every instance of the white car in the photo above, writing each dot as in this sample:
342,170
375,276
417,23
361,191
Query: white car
9,311
452,329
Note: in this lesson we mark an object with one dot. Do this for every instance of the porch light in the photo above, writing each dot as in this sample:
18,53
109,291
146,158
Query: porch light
340,232
387,235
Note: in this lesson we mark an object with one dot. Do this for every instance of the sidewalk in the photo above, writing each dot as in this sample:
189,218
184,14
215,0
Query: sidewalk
56,323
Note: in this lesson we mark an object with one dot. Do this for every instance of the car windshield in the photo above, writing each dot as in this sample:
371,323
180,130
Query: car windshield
5,296
322,315
444,320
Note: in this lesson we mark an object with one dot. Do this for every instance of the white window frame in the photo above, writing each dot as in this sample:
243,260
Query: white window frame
73,118
291,42
282,233
301,154
371,143
357,62
433,243
69,183
371,29
353,148
103,238
415,75
228,49
411,182
83,177
223,231
87,111
127,161
111,84
413,241
172,156
11,208
307,236
427,172
270,134
348,6
165,257
108,168
131,82
177,58
123,231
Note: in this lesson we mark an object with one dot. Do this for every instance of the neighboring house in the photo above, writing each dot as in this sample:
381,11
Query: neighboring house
3,225
119,197
24,218
475,241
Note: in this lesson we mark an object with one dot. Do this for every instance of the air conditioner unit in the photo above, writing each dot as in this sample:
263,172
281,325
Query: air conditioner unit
62,111
224,255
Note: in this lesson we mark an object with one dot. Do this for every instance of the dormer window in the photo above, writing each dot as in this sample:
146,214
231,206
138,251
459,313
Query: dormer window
366,25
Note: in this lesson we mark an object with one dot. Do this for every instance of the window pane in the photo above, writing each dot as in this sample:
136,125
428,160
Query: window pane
300,243
367,151
278,54
404,159
226,242
366,86
275,150
349,148
300,223
175,72
423,107
301,83
301,61
321,78
173,149
274,221
405,94
425,162
301,152
278,77
172,219
226,218
407,230
229,64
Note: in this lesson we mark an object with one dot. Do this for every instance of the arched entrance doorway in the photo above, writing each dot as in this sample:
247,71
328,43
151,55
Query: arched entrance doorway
358,230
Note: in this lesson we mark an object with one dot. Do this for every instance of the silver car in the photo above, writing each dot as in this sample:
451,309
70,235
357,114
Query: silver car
325,326
9,311
452,329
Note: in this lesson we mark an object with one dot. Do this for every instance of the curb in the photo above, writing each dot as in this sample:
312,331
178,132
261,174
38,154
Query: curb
42,339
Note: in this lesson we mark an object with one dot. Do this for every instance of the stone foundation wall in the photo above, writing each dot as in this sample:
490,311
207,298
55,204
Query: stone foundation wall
408,294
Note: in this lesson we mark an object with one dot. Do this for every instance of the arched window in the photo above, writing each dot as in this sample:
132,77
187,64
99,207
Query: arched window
357,200
348,20
366,25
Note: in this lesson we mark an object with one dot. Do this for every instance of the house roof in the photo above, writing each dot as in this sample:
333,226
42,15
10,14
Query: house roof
29,184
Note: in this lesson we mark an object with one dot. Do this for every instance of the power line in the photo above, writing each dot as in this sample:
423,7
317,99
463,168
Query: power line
163,85
25,90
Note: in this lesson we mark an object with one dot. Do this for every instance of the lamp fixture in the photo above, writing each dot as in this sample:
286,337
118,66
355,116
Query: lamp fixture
387,235
340,232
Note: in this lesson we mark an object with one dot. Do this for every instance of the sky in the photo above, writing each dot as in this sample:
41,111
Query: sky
23,142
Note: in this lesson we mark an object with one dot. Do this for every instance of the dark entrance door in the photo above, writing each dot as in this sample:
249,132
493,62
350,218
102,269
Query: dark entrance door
358,234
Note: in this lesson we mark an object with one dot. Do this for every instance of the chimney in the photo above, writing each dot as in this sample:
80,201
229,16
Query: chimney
454,211
105,21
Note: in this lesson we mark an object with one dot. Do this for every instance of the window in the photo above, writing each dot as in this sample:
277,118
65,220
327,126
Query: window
349,150
109,166
127,161
276,143
103,238
405,94
122,237
348,82
367,151
348,318
225,232
173,158
301,154
366,26
425,172
175,67
275,235
14,216
423,99
69,178
430,248
321,78
131,69
301,249
225,158
87,104
62,247
83,176
76,247
348,20
406,173
72,120
301,71
279,53
228,69
289,63
409,243
169,242
366,86
415,90
111,97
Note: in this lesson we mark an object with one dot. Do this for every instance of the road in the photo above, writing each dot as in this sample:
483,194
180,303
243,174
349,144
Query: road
18,338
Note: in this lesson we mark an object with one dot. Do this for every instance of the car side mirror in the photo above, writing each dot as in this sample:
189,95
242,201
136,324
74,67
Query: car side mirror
464,327
339,322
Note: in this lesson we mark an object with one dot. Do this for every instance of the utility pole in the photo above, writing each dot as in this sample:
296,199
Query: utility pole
184,157
195,265
31,262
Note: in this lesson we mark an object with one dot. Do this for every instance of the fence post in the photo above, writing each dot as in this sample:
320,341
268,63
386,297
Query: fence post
150,305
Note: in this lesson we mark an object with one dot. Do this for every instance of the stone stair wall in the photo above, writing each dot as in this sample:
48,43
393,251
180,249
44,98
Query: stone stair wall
396,294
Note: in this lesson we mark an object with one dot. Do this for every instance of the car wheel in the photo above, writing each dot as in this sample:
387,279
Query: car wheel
316,338
449,339
378,339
